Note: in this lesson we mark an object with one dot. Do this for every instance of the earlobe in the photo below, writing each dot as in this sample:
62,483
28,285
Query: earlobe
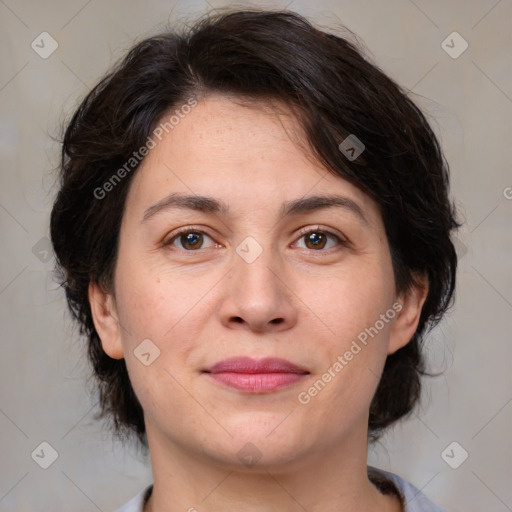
406,322
105,321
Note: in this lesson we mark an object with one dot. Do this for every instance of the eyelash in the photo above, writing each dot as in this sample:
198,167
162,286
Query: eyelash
302,233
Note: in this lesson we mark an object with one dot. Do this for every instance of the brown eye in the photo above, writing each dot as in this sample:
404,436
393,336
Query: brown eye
189,240
317,239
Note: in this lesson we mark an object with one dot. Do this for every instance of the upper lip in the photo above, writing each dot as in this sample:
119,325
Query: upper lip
249,365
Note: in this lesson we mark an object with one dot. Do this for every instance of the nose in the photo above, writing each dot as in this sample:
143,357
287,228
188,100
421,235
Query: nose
257,297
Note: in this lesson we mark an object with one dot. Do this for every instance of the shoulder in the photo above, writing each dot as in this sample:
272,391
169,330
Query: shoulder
136,504
414,500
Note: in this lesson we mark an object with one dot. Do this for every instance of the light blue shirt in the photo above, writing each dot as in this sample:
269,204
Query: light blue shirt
414,499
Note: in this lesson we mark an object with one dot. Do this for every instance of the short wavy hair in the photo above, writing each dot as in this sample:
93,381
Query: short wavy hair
334,92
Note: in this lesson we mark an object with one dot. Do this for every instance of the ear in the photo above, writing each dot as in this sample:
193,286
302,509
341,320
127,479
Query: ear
105,320
408,306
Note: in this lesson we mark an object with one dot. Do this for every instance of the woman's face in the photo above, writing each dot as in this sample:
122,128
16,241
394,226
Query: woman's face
200,281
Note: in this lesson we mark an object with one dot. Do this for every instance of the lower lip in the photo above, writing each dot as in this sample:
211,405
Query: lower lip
257,382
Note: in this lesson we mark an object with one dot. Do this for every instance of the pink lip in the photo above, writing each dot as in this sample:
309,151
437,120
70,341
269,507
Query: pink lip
256,376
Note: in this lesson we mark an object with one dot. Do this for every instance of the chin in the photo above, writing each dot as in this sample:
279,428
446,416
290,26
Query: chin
263,445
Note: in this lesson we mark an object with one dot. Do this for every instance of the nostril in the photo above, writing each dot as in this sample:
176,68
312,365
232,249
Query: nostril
276,321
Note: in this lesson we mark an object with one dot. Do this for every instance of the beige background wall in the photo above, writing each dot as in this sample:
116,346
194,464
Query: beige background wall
42,368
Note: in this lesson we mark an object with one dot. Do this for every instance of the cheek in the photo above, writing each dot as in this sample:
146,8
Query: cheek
155,310
355,341
140,306
165,309
353,300
149,304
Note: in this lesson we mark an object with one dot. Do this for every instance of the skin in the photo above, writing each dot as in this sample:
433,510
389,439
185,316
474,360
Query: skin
296,301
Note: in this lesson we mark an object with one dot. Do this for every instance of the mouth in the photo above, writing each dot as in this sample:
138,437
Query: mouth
256,376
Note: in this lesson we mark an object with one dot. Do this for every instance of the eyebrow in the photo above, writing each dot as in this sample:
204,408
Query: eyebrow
214,206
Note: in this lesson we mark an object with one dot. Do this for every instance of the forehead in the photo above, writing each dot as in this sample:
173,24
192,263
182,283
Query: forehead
245,152
233,131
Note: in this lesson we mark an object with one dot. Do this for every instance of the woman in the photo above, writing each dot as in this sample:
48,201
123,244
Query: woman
253,232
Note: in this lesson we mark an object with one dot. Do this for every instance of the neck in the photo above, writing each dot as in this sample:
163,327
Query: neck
332,478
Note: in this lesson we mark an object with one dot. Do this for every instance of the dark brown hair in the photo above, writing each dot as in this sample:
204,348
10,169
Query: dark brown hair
335,92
